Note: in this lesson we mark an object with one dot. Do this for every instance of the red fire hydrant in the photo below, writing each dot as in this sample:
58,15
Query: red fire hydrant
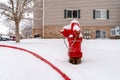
74,37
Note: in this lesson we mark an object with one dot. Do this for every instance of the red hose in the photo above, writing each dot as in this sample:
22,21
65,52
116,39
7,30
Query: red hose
41,58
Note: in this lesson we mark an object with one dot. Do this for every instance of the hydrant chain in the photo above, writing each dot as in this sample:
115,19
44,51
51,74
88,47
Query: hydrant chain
65,44
73,42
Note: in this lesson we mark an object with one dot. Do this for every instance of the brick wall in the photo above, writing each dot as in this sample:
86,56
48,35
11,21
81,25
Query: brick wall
54,31
94,28
49,32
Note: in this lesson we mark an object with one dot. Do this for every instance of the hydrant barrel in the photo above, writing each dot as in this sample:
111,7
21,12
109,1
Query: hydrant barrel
75,47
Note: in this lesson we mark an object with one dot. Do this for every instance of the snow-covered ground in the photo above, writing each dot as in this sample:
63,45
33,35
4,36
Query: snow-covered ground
100,60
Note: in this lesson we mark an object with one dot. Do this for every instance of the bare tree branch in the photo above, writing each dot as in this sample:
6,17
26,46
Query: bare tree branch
15,11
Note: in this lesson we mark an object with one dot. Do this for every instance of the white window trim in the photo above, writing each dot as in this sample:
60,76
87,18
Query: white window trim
101,14
87,36
87,31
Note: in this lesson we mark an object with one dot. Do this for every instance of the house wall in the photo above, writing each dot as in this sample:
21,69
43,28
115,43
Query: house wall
54,11
54,14
38,13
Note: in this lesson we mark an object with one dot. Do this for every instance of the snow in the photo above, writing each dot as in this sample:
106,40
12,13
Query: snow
100,60
74,21
76,27
67,27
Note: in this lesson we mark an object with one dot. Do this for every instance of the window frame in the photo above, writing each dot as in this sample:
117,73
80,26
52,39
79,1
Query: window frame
112,32
77,16
87,31
104,14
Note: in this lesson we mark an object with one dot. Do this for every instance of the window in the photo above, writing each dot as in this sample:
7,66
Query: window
101,14
75,13
87,36
119,31
103,34
71,13
98,34
115,31
87,31
112,31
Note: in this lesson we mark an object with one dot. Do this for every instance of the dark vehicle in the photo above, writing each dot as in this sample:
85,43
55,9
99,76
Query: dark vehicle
0,38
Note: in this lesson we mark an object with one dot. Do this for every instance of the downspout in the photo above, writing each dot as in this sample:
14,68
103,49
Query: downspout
43,22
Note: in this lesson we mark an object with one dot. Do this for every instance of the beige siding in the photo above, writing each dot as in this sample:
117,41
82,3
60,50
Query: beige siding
38,13
54,11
